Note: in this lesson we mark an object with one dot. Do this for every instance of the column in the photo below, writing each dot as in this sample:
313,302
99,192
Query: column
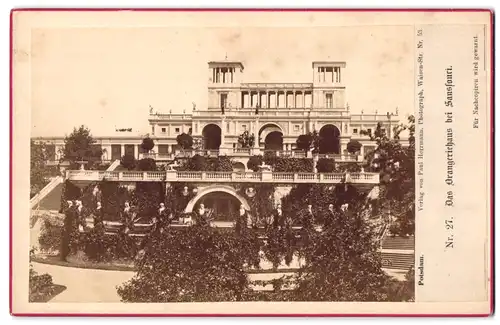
303,99
169,148
136,151
122,150
222,133
256,134
276,99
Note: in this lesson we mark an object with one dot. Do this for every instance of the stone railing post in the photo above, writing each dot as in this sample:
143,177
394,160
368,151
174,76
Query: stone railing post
266,175
120,175
171,175
144,176
203,175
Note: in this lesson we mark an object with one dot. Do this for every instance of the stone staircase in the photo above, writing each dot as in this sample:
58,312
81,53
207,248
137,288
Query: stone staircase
49,198
113,166
398,252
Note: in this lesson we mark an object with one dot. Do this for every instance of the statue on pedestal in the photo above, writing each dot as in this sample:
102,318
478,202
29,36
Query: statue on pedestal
264,167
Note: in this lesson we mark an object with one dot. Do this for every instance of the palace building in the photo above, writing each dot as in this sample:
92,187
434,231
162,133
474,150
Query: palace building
275,113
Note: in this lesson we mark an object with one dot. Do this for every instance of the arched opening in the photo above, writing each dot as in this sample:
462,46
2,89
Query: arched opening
216,189
211,137
274,141
223,206
272,136
329,141
238,167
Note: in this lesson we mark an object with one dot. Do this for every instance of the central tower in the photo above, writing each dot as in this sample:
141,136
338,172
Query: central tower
329,89
224,80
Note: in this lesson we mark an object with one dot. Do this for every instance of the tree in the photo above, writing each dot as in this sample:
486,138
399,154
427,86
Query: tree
353,146
197,264
343,262
80,146
147,144
304,142
325,165
38,171
396,165
308,141
185,141
246,140
128,161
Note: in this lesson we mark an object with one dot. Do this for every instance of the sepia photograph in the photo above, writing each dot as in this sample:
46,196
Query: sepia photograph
204,162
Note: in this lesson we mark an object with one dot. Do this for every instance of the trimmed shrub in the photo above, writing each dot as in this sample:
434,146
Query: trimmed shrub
325,165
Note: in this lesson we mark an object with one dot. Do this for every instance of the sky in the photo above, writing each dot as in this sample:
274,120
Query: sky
106,78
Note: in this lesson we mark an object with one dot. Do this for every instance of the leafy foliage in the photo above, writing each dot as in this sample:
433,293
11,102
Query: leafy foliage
80,146
343,263
202,163
308,141
185,141
146,198
147,144
41,287
50,236
38,172
325,165
353,146
254,162
283,164
146,164
396,165
113,199
351,167
128,161
197,264
246,140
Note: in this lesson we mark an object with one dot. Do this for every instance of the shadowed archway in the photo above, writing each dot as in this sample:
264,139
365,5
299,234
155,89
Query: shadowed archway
216,189
272,136
211,137
329,141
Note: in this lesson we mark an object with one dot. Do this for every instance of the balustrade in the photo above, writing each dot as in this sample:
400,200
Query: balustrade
225,177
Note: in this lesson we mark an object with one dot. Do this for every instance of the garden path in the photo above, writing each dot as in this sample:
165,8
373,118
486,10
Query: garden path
85,285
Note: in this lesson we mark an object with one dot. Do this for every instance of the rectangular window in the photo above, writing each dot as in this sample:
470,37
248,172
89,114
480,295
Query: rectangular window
355,131
329,100
223,101
244,127
296,128
129,149
116,151
163,130
162,149
177,130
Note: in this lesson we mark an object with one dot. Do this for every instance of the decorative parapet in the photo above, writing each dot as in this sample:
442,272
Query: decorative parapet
223,177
